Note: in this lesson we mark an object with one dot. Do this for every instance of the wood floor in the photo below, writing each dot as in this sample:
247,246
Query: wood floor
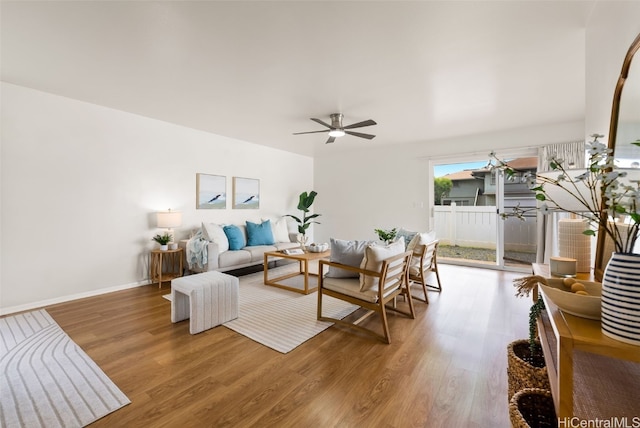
446,368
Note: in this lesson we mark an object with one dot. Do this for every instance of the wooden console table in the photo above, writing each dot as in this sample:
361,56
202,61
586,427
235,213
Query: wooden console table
592,376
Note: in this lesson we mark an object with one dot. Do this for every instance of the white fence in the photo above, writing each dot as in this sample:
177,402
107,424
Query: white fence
469,226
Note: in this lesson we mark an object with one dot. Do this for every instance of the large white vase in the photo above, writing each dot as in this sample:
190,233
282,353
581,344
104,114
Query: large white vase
621,298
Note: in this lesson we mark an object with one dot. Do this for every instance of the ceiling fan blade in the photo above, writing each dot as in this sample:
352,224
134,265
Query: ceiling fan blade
360,134
321,122
361,124
331,140
310,132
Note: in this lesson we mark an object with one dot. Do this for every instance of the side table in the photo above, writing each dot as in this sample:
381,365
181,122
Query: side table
165,265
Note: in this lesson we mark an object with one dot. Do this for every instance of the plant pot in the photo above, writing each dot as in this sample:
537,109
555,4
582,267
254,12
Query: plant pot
164,247
525,370
621,298
533,407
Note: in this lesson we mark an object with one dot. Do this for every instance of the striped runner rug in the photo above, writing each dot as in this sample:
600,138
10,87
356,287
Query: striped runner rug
47,380
281,319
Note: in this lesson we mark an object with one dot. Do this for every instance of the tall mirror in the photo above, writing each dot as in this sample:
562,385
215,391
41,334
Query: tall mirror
623,130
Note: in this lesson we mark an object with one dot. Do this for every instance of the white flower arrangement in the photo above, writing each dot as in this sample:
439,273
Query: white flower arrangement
602,182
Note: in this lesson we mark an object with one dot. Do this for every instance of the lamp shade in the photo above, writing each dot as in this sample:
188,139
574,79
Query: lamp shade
169,219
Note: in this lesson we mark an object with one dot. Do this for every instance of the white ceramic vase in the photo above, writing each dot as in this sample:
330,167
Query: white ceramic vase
164,247
621,298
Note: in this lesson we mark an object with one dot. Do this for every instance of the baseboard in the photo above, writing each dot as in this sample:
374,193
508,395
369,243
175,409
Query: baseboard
63,299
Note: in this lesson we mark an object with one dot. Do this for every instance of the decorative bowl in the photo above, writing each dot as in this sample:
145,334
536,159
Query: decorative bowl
572,303
318,248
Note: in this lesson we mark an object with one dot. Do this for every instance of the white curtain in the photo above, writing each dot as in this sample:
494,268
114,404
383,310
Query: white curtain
573,155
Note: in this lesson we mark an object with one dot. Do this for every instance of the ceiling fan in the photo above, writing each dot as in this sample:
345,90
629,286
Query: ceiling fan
336,129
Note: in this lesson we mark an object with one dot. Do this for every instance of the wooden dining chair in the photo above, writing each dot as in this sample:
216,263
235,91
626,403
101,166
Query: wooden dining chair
423,263
384,285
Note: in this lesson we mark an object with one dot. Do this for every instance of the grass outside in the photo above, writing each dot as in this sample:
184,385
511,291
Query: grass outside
483,254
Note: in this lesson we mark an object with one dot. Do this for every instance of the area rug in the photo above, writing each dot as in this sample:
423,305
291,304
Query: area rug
281,319
47,380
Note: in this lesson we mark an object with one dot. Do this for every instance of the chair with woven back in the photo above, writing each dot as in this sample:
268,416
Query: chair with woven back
376,284
423,263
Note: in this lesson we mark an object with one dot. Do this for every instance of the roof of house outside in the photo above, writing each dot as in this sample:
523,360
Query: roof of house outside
524,163
461,175
527,163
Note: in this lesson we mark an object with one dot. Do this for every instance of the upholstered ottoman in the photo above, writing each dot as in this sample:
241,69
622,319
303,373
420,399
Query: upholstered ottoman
207,299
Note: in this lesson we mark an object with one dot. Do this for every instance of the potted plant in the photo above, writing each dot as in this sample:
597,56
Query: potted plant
163,240
526,367
612,202
386,235
304,205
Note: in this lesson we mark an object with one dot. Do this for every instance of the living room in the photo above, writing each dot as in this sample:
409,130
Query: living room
82,180
96,175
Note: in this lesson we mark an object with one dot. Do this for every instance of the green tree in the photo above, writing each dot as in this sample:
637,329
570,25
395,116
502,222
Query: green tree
442,186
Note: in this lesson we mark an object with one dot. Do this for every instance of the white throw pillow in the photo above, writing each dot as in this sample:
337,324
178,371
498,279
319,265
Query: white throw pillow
279,229
374,255
421,239
214,233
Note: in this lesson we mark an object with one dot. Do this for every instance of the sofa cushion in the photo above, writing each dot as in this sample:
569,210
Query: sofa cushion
257,251
259,234
374,255
214,233
234,258
235,237
348,253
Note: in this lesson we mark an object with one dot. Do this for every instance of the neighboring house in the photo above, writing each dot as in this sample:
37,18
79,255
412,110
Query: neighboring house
516,189
477,187
467,189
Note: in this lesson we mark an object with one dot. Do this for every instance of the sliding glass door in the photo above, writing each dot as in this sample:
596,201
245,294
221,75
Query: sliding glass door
468,200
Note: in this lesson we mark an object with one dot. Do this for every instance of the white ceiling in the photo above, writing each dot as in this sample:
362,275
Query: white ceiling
257,71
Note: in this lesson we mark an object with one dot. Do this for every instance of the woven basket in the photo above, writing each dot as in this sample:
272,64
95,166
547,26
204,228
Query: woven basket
520,373
532,408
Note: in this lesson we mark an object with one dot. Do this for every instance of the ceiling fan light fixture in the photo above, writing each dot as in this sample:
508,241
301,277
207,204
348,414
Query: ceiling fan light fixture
336,133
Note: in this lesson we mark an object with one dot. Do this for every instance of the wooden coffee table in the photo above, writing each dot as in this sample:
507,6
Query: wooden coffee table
303,261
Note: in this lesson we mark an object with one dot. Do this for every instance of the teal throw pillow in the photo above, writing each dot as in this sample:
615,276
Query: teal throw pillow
259,234
235,237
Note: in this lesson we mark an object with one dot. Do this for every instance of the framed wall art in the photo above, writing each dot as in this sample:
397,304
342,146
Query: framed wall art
211,192
246,193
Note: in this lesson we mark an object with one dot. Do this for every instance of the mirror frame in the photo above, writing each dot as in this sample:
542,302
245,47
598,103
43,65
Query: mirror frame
599,263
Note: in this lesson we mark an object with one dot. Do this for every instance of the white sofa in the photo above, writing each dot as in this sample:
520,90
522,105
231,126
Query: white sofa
221,258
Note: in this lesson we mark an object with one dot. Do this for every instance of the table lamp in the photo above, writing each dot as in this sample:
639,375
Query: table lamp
168,220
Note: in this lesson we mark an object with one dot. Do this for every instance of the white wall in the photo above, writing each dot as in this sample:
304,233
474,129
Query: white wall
81,184
362,190
390,187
